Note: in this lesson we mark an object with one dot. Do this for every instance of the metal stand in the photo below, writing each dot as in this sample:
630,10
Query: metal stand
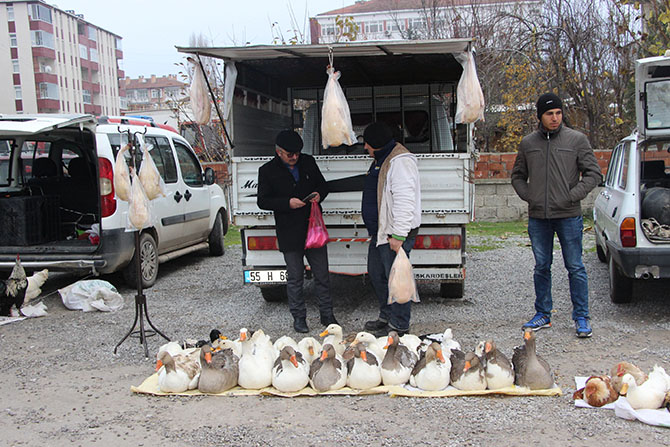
140,300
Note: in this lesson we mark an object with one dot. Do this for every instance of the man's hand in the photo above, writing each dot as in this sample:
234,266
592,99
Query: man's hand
395,244
316,198
296,203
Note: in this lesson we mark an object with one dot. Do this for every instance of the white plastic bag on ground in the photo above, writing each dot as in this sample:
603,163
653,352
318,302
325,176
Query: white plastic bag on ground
139,216
122,175
34,310
149,176
470,98
90,295
336,128
200,104
402,287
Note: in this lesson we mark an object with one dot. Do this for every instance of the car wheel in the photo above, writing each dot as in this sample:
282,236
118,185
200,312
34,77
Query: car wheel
599,250
148,263
621,287
216,236
274,294
452,289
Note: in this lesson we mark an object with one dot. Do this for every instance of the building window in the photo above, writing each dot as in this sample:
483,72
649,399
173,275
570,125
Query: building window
94,54
155,93
40,12
118,44
92,33
87,96
15,66
10,13
328,30
42,39
396,25
83,51
13,42
417,24
373,27
48,90
17,93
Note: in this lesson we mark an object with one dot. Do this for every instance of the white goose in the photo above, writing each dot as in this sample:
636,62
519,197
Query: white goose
290,372
333,334
371,343
649,395
431,372
177,374
398,361
285,340
310,349
363,371
499,370
256,361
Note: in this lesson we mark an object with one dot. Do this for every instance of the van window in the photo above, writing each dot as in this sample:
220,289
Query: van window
5,159
163,158
189,165
612,168
623,173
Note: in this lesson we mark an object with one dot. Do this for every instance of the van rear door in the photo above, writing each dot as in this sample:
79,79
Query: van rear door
652,82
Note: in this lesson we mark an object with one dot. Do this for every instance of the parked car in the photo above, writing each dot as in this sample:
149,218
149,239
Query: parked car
632,212
51,213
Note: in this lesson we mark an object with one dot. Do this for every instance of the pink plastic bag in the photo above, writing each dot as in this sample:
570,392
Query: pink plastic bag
317,235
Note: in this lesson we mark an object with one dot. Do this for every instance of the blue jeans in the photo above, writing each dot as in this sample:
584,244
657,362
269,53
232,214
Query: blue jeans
569,231
380,260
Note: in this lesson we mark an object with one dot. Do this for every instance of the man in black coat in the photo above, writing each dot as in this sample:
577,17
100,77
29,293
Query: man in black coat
282,184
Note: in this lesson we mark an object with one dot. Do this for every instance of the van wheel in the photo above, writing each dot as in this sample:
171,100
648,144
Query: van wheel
452,289
148,266
621,287
216,236
274,294
602,257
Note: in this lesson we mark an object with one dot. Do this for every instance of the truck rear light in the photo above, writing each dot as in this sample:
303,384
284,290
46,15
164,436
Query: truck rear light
627,232
107,199
438,242
262,243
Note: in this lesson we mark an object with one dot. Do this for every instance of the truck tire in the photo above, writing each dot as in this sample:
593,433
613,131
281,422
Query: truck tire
274,294
452,289
621,287
216,237
149,263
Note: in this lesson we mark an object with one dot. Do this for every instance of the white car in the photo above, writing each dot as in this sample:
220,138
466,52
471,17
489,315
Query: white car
632,212
57,194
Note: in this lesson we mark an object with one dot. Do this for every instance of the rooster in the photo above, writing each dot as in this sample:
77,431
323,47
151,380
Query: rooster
13,289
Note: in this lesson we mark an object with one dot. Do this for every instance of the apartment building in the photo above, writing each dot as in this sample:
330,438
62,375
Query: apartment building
154,92
54,61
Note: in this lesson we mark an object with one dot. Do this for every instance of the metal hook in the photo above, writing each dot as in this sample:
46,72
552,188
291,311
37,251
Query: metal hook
330,56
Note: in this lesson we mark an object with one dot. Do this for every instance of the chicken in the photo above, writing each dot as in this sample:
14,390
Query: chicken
598,391
13,289
35,283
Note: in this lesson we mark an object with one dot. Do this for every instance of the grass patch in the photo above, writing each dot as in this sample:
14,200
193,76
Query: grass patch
232,236
515,228
487,245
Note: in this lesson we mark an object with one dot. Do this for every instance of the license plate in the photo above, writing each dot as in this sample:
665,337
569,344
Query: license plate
264,276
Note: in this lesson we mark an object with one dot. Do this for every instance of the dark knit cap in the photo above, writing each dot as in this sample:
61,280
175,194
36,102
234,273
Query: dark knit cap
546,102
289,140
378,134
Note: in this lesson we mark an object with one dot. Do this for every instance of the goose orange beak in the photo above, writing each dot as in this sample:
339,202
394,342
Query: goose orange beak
440,355
487,347
324,356
159,364
467,366
389,342
526,335
311,350
243,336
294,361
624,389
364,356
324,333
208,357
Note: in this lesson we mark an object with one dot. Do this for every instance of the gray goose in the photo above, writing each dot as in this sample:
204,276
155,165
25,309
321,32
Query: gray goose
220,370
290,372
328,371
398,361
362,367
467,371
499,370
531,370
432,371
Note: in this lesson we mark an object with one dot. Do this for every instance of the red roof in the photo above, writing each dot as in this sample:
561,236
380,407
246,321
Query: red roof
364,6
151,82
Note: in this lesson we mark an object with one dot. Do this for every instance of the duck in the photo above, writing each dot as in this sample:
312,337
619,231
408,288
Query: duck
328,372
310,349
531,370
235,347
398,361
446,339
597,391
371,343
363,370
432,371
177,374
220,370
256,361
290,372
617,372
333,334
498,368
467,372
651,394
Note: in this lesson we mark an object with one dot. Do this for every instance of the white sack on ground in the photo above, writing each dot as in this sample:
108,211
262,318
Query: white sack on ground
402,287
336,128
122,175
138,211
90,295
470,98
199,96
149,175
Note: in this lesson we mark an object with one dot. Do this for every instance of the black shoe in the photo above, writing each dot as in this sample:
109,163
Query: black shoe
382,331
327,320
375,325
300,325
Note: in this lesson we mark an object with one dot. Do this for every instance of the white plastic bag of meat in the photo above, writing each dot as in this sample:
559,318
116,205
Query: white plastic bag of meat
122,175
149,176
336,128
200,104
402,287
139,214
470,98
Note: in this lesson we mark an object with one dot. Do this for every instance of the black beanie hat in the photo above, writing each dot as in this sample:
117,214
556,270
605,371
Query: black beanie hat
546,102
378,135
289,140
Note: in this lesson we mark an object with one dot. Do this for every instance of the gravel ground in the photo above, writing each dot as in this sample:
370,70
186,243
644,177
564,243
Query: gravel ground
64,386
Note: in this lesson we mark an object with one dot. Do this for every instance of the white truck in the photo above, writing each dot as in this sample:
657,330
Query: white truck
411,85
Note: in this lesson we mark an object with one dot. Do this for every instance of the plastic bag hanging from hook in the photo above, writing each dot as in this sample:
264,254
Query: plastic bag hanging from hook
336,128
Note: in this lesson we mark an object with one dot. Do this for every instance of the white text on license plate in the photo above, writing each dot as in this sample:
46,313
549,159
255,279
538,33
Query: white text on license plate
264,276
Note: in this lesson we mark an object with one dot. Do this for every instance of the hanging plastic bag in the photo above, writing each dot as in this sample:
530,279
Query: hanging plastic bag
317,235
149,176
122,175
402,287
470,98
199,98
336,128
138,213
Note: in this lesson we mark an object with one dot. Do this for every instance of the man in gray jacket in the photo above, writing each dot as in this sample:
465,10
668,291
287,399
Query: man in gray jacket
555,169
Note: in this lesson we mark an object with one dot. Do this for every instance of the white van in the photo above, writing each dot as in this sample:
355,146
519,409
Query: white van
57,192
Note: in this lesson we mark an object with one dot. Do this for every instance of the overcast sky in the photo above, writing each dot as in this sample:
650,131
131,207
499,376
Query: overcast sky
151,28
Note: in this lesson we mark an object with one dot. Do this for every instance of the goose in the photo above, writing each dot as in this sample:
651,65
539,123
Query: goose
617,372
398,361
220,370
328,372
310,349
285,340
333,334
363,370
499,370
446,339
177,374
256,361
597,391
411,341
467,372
651,394
531,370
432,371
290,372
371,343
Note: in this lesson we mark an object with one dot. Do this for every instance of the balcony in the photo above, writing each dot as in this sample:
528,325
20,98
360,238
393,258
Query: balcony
46,77
44,52
92,109
48,105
